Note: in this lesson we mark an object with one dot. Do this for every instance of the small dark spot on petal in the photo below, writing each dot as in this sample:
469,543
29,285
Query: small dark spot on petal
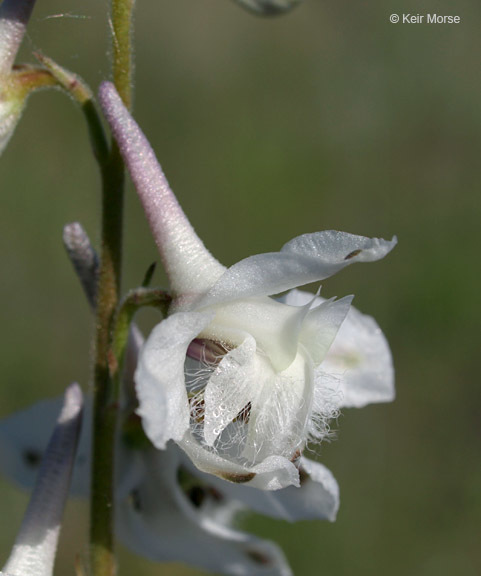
32,457
259,557
195,489
196,495
237,478
215,494
296,458
303,476
135,500
352,254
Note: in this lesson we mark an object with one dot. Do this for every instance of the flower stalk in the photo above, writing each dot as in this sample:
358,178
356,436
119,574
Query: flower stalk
81,93
102,558
133,301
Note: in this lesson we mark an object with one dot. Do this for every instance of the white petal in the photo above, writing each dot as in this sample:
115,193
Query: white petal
316,498
134,345
304,259
275,326
361,355
273,473
321,326
11,109
300,298
280,414
163,403
230,388
190,266
34,551
172,528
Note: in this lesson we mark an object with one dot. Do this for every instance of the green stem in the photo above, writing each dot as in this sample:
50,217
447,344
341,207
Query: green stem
122,48
105,411
135,299
102,556
81,93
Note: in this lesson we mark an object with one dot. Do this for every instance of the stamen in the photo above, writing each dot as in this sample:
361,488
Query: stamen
197,407
207,351
296,458
244,415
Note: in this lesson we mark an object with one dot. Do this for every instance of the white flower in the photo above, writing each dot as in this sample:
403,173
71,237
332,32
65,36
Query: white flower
166,508
235,377
34,550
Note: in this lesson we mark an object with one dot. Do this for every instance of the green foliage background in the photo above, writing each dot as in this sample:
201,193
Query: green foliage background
328,118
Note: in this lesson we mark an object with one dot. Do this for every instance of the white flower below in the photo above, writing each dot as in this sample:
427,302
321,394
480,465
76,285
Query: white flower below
167,510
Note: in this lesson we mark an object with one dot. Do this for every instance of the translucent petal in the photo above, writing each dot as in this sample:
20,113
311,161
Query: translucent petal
273,473
304,259
274,326
163,403
359,356
34,551
321,326
231,387
190,266
195,531
280,413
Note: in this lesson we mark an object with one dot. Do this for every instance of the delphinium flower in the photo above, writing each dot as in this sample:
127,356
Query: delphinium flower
167,509
242,381
33,553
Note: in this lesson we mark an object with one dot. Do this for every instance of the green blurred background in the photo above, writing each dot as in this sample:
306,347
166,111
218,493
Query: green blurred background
327,118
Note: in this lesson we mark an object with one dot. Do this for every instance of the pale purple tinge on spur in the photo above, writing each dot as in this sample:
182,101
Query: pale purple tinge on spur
268,7
14,16
33,553
240,380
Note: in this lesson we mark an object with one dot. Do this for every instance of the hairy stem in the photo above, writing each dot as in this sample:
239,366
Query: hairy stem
102,556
